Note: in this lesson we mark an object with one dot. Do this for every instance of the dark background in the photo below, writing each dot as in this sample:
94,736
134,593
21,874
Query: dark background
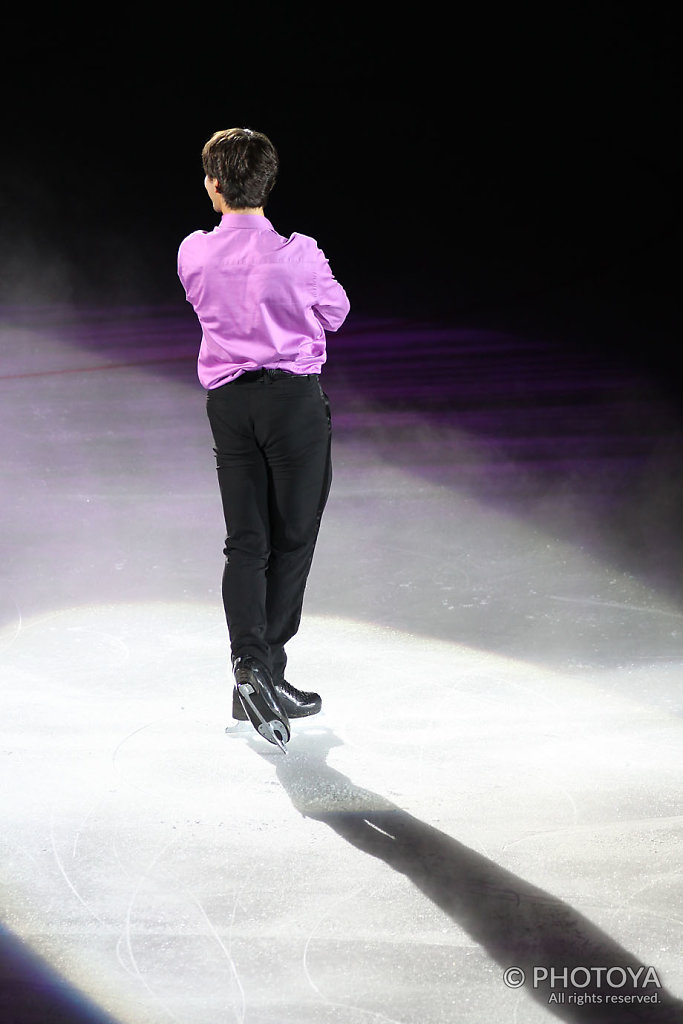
515,165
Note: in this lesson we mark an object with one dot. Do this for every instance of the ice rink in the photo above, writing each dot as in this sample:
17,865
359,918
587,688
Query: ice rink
494,623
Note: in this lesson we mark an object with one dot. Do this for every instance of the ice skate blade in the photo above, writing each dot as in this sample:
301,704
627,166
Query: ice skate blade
238,728
269,730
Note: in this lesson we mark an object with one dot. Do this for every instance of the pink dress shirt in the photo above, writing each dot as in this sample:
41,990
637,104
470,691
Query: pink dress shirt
262,300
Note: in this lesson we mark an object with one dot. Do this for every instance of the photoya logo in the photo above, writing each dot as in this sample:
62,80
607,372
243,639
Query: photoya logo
606,984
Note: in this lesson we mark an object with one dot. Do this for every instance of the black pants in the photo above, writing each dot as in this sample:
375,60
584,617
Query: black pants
272,442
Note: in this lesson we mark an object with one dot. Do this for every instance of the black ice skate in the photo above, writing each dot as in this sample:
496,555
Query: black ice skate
295,703
260,702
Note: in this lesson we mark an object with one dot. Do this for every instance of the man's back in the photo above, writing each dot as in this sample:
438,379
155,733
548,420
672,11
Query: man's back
263,300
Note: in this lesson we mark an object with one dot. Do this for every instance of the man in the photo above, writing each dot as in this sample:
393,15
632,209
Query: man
264,303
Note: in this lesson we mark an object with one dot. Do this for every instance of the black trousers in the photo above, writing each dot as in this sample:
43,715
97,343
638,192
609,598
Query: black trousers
272,436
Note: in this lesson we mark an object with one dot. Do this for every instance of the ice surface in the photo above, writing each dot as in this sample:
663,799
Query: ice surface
495,778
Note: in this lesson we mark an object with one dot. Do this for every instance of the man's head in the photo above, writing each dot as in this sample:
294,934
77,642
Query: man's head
240,167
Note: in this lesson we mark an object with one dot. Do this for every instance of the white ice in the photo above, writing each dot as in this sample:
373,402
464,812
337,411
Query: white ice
495,778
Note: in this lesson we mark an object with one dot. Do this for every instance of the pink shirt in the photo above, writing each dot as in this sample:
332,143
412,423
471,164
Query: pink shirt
262,300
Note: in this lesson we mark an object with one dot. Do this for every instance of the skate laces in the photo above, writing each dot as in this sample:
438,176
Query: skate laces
290,691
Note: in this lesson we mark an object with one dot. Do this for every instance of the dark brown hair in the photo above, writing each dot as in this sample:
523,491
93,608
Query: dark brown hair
245,163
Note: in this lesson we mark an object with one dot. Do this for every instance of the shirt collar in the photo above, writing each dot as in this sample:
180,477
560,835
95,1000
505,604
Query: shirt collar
245,220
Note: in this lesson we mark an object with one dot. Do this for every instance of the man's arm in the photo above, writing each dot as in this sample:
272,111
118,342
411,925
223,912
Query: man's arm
332,305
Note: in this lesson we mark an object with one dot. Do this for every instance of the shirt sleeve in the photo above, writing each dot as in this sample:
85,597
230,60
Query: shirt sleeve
332,305
189,268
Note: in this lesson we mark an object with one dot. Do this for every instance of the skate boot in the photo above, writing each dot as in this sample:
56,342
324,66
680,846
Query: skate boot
295,703
259,701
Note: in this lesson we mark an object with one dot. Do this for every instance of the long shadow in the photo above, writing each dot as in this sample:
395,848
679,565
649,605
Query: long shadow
518,924
31,992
